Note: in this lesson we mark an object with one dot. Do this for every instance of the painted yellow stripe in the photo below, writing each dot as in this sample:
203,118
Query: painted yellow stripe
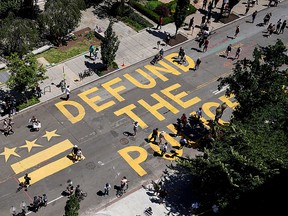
48,170
42,156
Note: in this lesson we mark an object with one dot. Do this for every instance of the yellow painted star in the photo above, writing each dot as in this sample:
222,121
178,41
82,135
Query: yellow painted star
29,145
7,152
50,134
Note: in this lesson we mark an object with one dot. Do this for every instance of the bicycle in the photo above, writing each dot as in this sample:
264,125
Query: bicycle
82,196
21,186
121,190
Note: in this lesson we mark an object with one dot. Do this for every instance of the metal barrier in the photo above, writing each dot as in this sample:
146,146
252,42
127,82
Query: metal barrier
48,89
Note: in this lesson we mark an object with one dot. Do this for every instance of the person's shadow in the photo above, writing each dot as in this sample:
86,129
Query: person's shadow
100,193
127,133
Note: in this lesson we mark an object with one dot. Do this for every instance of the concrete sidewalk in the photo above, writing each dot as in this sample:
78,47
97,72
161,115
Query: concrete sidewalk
134,47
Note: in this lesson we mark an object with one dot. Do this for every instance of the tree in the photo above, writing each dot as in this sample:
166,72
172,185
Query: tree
7,6
109,46
180,13
72,206
257,82
251,151
18,35
59,18
25,73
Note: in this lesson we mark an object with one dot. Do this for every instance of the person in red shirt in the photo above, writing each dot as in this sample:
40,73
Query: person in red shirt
206,42
160,23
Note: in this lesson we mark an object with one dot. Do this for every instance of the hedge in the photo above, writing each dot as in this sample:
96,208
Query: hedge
154,16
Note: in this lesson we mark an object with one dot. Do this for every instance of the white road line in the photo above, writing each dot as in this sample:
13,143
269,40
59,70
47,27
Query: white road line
221,90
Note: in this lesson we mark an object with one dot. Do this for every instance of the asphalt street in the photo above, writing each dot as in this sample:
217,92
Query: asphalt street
99,116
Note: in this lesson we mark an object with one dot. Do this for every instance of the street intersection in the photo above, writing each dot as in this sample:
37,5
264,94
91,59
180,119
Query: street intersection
98,118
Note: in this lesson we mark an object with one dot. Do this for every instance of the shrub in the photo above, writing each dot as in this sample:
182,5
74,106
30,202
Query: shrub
152,5
29,102
89,35
154,16
163,10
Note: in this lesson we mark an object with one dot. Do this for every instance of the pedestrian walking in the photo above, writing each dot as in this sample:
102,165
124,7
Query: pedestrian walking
278,26
158,44
199,113
271,29
215,3
197,64
267,18
283,27
67,91
91,50
96,52
161,137
160,22
210,7
247,9
180,53
201,42
254,16
154,135
237,31
191,23
184,120
163,148
238,51
204,4
27,180
206,42
135,127
228,50
107,189
38,91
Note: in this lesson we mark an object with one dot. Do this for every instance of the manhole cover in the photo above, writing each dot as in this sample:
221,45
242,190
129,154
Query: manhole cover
124,141
90,165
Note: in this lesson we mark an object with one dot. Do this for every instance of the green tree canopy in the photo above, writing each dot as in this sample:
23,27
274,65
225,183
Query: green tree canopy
72,206
25,73
109,46
253,151
17,35
258,82
180,13
7,6
59,18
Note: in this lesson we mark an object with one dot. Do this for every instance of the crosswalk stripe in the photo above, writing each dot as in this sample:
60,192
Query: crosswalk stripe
48,170
42,156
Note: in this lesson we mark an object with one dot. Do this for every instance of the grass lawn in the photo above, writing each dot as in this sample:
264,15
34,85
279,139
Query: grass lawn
79,45
56,55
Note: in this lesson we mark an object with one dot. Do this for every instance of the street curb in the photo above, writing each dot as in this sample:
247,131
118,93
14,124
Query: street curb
97,78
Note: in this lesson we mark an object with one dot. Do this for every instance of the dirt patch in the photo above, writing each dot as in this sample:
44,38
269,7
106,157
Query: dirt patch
79,36
176,40
230,18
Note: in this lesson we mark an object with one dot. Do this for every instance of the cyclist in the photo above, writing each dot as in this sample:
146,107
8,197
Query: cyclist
124,184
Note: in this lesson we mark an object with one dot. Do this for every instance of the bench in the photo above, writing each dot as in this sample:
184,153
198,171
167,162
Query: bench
99,33
41,49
